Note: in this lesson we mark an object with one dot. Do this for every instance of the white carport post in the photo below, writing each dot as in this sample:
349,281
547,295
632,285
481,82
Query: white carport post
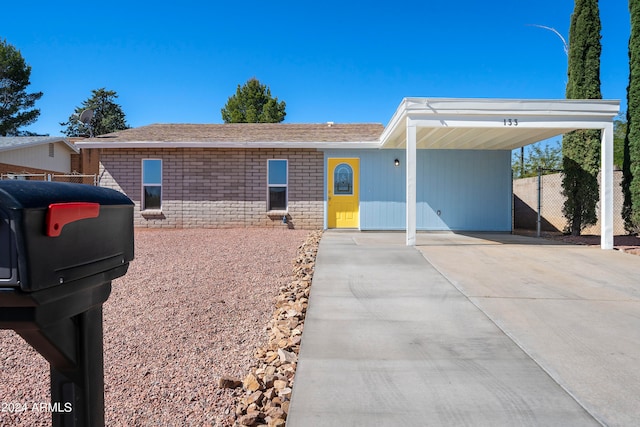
411,183
606,188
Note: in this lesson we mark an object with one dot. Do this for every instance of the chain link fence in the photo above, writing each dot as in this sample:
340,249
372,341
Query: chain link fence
73,178
538,203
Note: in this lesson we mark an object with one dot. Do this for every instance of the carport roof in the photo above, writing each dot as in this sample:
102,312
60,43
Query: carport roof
492,124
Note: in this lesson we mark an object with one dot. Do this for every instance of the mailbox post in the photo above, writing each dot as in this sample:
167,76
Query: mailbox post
61,245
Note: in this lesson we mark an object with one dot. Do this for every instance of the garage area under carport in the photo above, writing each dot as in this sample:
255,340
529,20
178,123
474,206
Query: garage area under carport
497,124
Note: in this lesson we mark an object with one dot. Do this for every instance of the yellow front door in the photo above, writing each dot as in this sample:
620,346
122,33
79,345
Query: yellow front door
343,193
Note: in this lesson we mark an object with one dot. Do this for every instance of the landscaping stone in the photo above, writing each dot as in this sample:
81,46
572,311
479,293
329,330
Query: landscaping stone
269,383
228,382
251,383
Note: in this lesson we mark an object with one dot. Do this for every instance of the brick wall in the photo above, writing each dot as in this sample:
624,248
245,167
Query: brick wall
219,187
87,162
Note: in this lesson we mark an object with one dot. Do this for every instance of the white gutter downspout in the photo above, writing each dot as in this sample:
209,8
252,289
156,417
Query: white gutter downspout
606,188
411,183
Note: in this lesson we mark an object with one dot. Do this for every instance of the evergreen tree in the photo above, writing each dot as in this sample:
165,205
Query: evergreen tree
252,103
581,148
15,103
107,115
619,134
631,161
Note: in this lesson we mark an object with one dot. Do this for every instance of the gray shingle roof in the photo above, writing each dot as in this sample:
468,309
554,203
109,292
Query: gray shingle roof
248,132
16,142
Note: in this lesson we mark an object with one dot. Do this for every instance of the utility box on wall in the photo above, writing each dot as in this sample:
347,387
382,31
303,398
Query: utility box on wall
61,245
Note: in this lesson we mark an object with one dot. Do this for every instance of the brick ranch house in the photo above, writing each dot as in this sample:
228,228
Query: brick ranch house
439,164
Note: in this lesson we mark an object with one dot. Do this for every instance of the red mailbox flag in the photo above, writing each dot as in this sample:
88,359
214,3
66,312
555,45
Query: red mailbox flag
61,214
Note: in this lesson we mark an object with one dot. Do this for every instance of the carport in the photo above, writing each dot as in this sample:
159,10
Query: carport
498,124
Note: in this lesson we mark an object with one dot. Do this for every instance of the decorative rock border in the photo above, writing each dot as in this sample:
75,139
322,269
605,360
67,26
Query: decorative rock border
267,387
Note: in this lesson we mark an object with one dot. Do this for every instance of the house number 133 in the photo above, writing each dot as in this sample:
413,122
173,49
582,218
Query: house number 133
511,122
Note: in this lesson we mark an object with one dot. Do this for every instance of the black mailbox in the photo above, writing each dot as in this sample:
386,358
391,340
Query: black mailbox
60,247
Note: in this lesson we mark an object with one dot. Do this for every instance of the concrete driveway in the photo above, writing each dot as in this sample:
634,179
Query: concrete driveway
468,330
575,310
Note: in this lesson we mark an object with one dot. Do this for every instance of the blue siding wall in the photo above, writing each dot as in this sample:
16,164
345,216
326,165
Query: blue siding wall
471,189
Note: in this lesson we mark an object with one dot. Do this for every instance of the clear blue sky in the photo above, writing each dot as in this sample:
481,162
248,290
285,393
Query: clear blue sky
335,61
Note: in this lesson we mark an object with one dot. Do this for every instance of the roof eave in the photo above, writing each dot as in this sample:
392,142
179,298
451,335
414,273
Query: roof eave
488,106
50,140
222,144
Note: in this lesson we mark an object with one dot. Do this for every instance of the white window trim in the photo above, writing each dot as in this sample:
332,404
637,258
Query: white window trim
143,208
285,186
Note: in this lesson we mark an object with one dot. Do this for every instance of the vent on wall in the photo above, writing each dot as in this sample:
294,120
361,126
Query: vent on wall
51,150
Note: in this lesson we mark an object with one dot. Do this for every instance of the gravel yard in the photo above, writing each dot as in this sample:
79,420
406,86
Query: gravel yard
192,308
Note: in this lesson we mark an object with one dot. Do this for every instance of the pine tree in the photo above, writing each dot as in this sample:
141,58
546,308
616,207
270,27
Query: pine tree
16,105
108,116
252,103
631,161
581,149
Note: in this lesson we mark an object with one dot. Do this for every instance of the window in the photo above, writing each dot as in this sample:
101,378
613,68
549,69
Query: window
52,151
151,184
343,179
277,185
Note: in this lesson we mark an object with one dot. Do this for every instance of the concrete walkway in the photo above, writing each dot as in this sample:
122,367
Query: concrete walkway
468,330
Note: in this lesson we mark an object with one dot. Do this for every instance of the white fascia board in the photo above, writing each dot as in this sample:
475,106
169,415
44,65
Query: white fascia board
398,120
253,144
572,107
70,145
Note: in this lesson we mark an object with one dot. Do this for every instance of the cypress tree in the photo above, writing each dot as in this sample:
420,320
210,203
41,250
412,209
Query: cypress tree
581,148
631,161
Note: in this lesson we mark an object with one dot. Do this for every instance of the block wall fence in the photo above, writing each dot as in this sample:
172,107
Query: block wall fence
219,187
525,204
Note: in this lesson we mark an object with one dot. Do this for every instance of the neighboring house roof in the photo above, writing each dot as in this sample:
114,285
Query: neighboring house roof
240,134
17,142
